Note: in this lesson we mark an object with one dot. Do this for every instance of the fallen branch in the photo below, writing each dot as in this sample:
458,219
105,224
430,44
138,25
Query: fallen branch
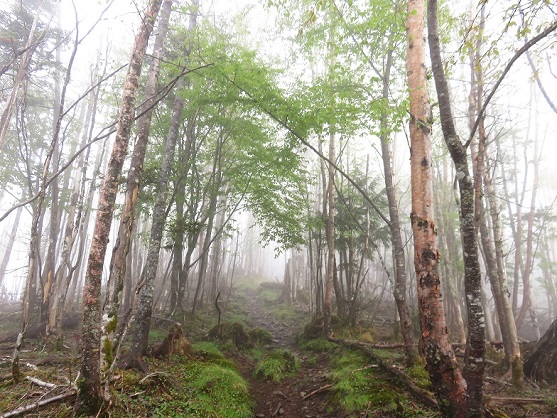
41,383
424,396
384,346
31,407
316,391
517,401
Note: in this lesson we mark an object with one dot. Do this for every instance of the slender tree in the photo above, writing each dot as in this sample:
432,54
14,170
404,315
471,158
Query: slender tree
475,344
444,372
89,398
118,262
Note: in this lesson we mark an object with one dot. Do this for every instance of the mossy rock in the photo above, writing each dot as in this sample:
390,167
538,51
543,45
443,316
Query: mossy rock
231,331
259,336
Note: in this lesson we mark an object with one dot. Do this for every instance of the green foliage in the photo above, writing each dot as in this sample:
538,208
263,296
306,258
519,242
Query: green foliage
277,365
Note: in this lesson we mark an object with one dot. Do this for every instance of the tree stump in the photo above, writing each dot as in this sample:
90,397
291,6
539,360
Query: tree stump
174,343
541,365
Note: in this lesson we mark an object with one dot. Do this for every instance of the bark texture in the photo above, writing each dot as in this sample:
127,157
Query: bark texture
445,375
89,399
542,363
121,249
474,362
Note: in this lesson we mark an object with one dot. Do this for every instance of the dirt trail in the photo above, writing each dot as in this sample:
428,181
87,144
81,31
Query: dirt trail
305,395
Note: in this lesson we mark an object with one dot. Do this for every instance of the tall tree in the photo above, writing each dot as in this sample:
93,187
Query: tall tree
118,262
475,343
491,237
89,399
145,308
444,372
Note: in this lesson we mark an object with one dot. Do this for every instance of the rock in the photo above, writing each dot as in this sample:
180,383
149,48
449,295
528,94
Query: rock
281,411
279,393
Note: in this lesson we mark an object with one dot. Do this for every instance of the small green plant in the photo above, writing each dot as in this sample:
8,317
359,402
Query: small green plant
277,365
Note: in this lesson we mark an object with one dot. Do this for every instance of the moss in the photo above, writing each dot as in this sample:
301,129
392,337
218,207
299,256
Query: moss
277,365
207,385
107,350
233,332
111,324
259,336
318,345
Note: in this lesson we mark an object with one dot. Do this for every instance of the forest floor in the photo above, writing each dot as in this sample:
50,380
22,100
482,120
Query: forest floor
304,394
270,366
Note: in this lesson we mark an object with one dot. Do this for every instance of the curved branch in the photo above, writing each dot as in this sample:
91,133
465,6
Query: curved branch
517,55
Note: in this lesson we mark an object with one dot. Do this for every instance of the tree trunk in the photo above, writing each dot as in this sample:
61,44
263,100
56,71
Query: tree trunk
444,372
398,246
115,285
541,365
474,363
327,324
89,397
9,246
29,48
492,248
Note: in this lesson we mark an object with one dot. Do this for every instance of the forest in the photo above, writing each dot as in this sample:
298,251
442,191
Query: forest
264,208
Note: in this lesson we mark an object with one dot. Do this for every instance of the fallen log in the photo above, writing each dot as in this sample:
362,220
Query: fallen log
422,395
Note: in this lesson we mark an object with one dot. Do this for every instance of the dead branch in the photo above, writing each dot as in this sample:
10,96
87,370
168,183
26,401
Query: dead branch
424,396
316,391
41,383
517,401
384,346
31,407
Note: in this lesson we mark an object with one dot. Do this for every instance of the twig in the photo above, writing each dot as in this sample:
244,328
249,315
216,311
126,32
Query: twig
277,409
154,374
319,390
